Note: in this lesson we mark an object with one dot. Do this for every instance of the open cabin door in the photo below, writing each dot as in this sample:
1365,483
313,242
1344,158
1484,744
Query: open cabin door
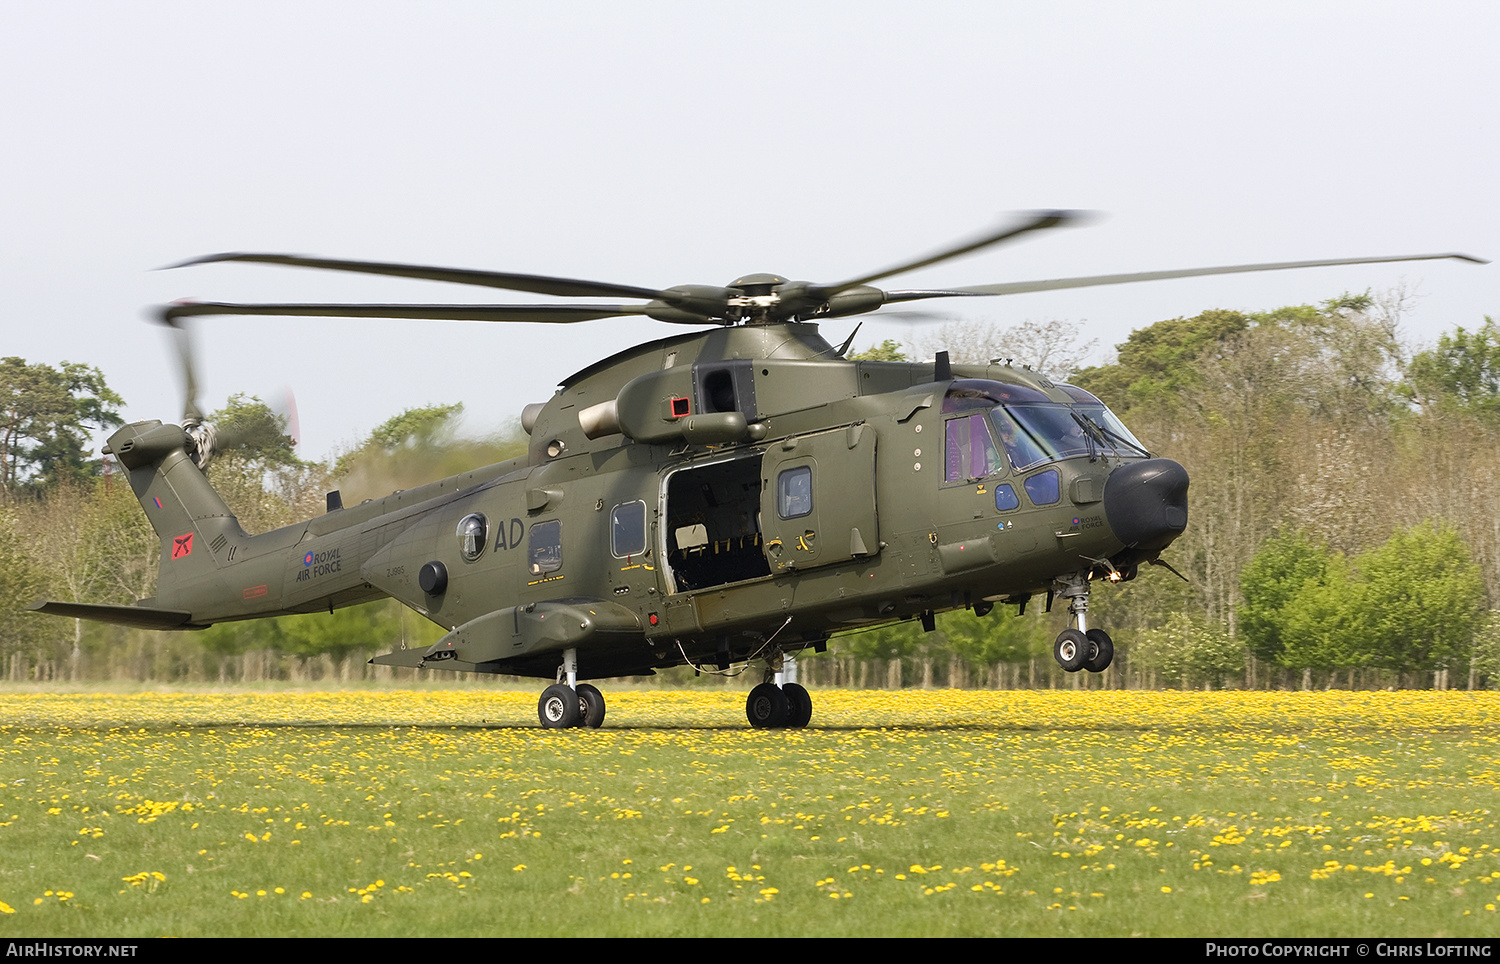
817,504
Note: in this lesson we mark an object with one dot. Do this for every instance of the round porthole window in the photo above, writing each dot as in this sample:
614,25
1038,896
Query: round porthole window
471,536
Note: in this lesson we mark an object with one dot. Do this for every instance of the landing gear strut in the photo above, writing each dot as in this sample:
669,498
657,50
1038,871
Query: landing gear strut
570,703
779,701
1079,647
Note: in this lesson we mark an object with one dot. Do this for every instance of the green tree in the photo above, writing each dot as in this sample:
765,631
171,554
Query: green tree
257,472
887,350
1158,360
1283,569
417,446
1487,649
1189,650
381,625
46,415
1319,628
418,427
999,637
22,581
1418,600
251,430
1415,602
1463,371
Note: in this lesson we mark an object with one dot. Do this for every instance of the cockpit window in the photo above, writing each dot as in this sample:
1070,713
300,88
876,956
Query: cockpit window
1044,488
1022,450
1052,429
969,450
1114,429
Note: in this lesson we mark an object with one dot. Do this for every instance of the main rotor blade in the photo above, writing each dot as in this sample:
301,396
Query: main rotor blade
537,313
1034,221
533,283
1019,287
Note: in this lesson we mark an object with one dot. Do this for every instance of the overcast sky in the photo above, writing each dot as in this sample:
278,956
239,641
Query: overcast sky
666,143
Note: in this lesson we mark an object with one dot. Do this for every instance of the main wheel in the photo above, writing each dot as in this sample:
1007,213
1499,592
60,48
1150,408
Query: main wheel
590,706
1071,649
1103,651
767,707
799,701
558,707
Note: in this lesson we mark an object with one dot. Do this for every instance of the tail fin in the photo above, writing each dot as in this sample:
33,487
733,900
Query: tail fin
194,523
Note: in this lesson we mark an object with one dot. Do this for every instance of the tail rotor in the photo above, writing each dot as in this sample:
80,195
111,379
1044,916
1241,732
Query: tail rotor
205,441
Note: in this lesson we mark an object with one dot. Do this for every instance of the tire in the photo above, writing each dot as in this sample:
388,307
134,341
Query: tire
558,707
767,707
1102,652
799,702
590,706
1071,649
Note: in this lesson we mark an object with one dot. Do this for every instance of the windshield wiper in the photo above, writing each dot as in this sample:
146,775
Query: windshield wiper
1106,433
1092,433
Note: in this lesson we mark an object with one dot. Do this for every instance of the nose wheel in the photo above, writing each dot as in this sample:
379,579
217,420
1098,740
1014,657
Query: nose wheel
1079,647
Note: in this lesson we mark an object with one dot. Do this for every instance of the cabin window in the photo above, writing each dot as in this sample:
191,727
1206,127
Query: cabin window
794,492
1044,488
471,533
544,551
627,529
970,451
1005,498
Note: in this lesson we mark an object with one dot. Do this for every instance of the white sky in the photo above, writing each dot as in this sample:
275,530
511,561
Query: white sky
667,143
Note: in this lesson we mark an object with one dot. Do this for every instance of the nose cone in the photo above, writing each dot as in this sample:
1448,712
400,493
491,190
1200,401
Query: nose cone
1146,503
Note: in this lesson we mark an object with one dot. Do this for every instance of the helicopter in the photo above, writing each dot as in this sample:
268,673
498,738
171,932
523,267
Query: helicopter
716,499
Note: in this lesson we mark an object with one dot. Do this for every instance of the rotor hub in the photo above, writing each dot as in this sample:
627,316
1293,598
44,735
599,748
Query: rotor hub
760,283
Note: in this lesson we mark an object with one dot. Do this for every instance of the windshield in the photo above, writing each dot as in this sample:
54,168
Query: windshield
1029,426
1047,433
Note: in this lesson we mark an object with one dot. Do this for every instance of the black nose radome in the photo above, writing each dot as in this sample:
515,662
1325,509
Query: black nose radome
1146,503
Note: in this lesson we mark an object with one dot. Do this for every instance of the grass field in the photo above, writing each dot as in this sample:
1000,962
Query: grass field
915,813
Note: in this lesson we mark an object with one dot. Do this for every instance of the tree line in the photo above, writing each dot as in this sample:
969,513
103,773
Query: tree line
1343,526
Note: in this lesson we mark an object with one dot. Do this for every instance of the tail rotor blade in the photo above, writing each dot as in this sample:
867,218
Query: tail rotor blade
185,354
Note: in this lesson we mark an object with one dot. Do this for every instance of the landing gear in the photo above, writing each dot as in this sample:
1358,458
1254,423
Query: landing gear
1071,650
779,701
767,707
568,702
590,705
1103,651
558,707
1079,647
800,710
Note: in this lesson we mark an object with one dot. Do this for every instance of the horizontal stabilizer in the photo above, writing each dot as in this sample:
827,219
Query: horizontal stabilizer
138,616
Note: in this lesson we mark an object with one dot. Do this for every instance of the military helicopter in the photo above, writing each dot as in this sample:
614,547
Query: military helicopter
715,499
